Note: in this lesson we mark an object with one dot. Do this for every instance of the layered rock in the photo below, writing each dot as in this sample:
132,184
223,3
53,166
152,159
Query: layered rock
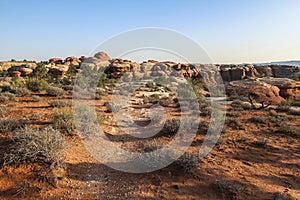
289,89
58,71
259,91
72,60
55,61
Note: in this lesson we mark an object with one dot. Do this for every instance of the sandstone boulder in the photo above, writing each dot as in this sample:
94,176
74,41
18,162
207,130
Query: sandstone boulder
289,89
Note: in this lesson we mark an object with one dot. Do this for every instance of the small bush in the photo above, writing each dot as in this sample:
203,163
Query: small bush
36,98
235,123
44,146
7,125
60,103
259,119
282,196
55,91
188,162
261,142
21,92
231,190
171,126
285,105
36,85
7,96
63,120
3,110
286,129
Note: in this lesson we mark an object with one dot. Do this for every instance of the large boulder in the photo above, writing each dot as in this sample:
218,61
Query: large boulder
255,90
59,71
55,61
25,71
72,60
289,89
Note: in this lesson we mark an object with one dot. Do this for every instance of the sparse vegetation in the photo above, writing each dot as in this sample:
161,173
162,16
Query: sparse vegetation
44,146
36,85
55,91
60,103
63,120
7,124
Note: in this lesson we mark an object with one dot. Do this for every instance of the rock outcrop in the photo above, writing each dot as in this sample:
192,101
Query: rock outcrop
259,91
289,89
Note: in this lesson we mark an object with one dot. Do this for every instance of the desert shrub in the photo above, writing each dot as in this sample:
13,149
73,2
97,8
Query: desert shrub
21,92
287,129
284,105
7,96
235,123
44,146
282,196
273,113
36,85
3,110
165,101
188,162
55,91
171,126
60,103
41,71
7,124
261,142
36,98
259,119
63,120
203,127
231,190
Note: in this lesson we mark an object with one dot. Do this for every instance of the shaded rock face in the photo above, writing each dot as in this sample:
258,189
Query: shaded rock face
237,72
289,89
260,91
282,71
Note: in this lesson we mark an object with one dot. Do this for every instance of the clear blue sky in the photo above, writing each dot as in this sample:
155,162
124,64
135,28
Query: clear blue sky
231,31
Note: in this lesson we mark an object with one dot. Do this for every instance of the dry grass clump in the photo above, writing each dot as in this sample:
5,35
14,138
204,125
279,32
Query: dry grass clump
7,96
43,146
60,103
287,129
55,91
189,162
4,110
231,190
36,98
7,124
22,91
282,196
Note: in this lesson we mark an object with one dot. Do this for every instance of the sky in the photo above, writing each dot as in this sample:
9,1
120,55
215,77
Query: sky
230,31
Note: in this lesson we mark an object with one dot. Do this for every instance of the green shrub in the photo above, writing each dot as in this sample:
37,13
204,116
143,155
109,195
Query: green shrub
36,85
44,146
63,120
284,105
